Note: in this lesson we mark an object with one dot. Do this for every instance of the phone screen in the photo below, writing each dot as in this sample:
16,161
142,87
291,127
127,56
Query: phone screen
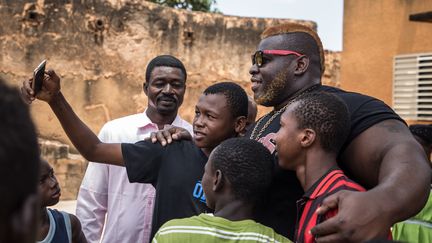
38,76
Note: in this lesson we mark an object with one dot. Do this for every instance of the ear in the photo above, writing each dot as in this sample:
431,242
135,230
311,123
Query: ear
302,65
145,88
307,138
218,181
240,124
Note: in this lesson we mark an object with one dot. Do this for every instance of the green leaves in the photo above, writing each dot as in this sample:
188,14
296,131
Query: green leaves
194,5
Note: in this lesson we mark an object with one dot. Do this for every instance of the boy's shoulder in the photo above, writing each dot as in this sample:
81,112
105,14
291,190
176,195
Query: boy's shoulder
191,221
69,219
220,227
331,182
268,234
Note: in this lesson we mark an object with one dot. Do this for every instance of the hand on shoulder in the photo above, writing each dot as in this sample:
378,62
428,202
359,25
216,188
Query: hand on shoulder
168,134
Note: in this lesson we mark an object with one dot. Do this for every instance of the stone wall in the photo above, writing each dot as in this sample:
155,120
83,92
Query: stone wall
332,71
69,168
101,48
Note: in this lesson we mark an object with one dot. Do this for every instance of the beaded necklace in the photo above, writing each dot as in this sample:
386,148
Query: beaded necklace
275,114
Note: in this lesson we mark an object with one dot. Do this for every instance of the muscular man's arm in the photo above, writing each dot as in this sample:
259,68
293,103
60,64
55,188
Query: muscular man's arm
386,158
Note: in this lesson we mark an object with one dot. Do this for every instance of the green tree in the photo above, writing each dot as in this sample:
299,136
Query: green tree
194,5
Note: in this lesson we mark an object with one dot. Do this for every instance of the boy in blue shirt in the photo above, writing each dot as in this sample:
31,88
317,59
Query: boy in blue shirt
55,226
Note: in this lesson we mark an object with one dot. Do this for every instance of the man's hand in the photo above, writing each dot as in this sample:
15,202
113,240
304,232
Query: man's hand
50,88
359,218
168,134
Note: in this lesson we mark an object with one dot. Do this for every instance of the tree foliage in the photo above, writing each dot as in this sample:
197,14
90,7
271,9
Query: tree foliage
194,5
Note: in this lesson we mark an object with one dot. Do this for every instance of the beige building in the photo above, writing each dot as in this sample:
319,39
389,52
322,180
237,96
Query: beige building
387,53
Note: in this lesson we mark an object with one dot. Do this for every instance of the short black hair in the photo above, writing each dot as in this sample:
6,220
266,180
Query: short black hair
236,97
327,115
19,154
247,165
165,61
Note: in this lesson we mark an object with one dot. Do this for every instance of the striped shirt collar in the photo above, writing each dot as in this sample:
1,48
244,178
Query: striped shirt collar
320,186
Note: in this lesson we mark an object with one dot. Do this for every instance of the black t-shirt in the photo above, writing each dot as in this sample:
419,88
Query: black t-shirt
175,171
279,209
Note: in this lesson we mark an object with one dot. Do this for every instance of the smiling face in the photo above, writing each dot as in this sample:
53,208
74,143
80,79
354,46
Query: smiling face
213,122
272,82
49,189
288,140
165,90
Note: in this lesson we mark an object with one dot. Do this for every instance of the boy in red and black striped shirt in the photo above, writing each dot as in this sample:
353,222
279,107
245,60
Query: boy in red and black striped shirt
313,129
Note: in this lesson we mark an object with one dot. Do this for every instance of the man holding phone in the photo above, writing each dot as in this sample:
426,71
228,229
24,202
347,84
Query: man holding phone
107,202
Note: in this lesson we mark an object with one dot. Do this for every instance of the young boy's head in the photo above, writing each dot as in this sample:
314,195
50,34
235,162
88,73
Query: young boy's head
237,169
320,120
49,189
219,114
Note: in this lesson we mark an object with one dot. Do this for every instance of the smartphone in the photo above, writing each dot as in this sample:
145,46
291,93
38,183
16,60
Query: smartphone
38,76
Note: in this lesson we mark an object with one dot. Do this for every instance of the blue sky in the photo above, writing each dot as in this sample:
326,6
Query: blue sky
328,14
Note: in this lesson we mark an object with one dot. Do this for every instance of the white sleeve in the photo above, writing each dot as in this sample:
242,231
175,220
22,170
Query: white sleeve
92,198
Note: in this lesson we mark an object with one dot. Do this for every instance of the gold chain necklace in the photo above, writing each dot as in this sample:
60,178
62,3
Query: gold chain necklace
277,113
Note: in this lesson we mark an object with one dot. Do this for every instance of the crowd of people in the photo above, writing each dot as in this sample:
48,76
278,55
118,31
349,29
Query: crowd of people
325,165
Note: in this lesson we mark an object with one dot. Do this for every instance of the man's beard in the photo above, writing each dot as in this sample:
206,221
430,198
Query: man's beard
274,89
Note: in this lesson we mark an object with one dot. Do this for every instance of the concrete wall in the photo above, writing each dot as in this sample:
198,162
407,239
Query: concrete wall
101,49
373,33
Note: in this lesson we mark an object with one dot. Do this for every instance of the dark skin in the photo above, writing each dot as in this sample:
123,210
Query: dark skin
300,150
165,91
49,195
77,234
383,157
213,122
288,72
220,197
170,133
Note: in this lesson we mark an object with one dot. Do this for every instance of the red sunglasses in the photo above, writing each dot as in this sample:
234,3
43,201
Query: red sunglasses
257,57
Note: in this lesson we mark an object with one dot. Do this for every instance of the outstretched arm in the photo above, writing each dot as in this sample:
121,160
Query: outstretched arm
387,158
87,143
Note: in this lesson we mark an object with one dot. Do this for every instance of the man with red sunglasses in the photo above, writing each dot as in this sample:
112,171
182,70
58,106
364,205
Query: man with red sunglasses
380,152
